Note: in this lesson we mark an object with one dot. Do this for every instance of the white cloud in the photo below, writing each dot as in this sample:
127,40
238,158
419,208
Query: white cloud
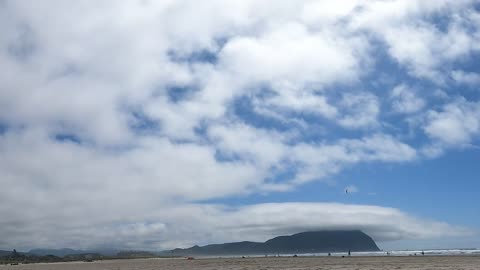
432,150
359,110
272,151
170,226
287,99
260,147
280,56
323,160
405,100
457,123
324,12
416,44
469,78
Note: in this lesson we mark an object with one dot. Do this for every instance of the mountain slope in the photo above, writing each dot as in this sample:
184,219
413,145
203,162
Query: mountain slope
306,242
322,241
5,253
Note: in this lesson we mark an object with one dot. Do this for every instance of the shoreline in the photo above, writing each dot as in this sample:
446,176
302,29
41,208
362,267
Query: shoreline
240,258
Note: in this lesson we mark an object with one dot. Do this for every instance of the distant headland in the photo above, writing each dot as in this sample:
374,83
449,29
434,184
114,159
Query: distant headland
305,242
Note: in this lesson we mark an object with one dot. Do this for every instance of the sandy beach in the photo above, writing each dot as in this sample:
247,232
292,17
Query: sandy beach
317,263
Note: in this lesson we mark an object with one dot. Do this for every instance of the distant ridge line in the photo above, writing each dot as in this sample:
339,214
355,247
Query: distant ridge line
304,242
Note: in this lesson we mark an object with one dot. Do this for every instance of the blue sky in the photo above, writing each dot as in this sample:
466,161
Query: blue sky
247,119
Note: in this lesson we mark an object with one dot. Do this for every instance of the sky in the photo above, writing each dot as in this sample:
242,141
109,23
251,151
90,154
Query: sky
160,124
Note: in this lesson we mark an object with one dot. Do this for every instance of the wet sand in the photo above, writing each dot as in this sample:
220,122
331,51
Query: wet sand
315,263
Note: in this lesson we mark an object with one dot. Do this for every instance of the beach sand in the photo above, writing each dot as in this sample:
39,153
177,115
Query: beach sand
316,263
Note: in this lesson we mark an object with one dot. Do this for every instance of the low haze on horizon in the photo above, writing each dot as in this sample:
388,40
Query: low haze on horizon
151,125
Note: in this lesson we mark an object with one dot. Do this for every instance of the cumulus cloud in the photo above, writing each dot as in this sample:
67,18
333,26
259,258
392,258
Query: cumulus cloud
292,100
324,160
279,56
457,123
469,78
360,110
422,47
405,100
126,112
